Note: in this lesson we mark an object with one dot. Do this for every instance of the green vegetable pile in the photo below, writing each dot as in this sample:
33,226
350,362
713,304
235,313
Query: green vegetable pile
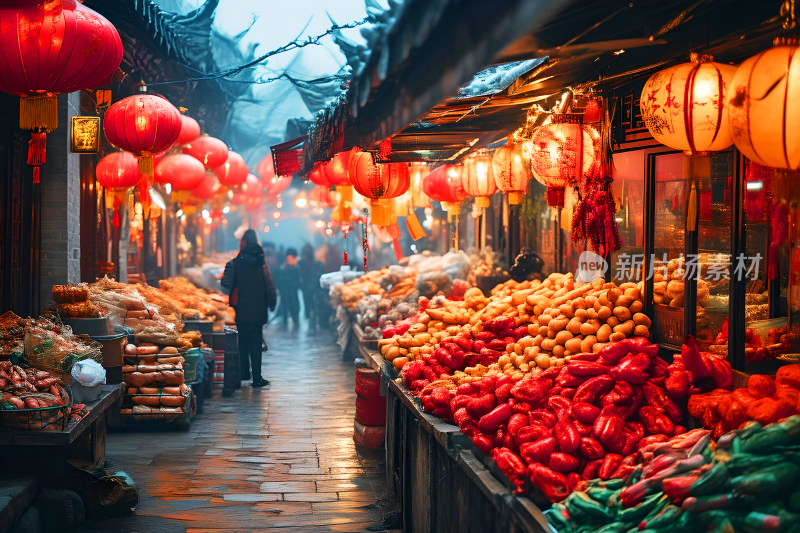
750,483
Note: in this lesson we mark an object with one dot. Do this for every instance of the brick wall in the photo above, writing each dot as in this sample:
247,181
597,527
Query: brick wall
60,206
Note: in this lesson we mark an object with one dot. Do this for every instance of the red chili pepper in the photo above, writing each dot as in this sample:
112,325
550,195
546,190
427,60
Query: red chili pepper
492,420
584,430
503,392
531,390
441,397
623,471
622,392
459,401
483,442
631,440
563,462
679,488
632,368
517,422
443,412
508,461
485,336
469,428
567,392
543,417
584,357
694,362
553,485
590,449
567,436
608,429
486,385
551,373
585,412
586,368
519,407
532,433
559,405
610,463
480,406
501,436
539,451
566,379
658,368
464,343
641,344
678,382
590,469
767,410
591,390
496,344
654,421
460,416
612,353
574,480
466,389
760,386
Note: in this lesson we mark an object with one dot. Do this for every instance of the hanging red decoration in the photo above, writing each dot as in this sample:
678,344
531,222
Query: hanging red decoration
52,47
190,130
233,171
444,185
117,172
379,183
266,168
318,177
208,150
321,196
561,153
511,173
419,171
478,178
336,170
145,125
182,172
208,188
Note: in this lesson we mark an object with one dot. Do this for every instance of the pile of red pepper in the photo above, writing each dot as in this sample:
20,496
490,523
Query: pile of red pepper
460,352
580,421
764,400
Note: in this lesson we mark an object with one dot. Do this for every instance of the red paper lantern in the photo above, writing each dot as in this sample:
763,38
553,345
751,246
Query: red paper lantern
511,174
208,150
321,196
208,188
266,168
233,171
444,185
117,173
478,178
318,177
183,172
144,124
190,130
379,183
59,46
336,170
419,171
561,152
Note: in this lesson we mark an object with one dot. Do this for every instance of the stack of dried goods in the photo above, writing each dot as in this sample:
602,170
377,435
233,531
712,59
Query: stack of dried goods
155,382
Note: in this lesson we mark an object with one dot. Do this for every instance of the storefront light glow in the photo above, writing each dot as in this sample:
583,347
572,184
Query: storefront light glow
276,215
754,185
168,188
205,213
319,224
226,209
179,214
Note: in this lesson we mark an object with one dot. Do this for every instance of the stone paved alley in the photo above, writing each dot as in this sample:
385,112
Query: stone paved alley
281,458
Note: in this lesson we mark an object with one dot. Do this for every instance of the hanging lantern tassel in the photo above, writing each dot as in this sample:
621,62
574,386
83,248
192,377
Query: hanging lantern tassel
145,182
115,197
555,197
39,115
695,168
346,231
382,212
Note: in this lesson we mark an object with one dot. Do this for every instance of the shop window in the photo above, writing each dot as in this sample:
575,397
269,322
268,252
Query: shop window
714,250
628,188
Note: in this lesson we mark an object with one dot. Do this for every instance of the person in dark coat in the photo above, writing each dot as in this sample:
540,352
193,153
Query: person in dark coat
248,281
310,272
289,286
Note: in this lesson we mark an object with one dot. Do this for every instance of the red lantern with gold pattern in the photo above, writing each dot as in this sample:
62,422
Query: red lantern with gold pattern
183,173
232,172
145,125
52,47
562,152
511,174
379,182
208,150
117,172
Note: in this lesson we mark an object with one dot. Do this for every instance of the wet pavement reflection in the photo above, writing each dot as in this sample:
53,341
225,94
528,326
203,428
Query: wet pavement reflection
280,458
